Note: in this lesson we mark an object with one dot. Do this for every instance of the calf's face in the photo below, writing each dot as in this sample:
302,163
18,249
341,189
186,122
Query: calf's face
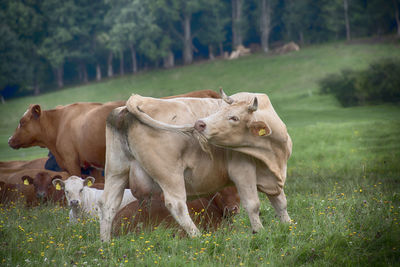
73,188
234,125
42,184
228,201
28,129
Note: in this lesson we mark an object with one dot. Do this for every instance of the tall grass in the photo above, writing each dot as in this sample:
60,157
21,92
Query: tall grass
342,186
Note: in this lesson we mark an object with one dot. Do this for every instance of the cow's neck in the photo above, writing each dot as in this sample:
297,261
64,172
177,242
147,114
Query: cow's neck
50,121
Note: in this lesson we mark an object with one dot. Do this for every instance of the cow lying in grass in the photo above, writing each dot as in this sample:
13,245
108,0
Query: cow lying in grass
24,164
82,199
207,212
32,186
245,144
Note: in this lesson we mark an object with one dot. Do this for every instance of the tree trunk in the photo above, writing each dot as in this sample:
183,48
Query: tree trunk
265,24
210,52
396,14
134,60
121,63
187,40
85,74
236,23
80,74
36,88
221,49
346,18
60,76
98,72
301,36
168,61
3,101
110,65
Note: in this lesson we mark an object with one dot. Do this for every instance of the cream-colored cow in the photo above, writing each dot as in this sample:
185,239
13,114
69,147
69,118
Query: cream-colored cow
153,145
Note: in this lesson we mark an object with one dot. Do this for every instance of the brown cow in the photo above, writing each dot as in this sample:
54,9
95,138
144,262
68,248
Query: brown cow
32,186
207,212
43,187
74,133
24,164
13,193
13,176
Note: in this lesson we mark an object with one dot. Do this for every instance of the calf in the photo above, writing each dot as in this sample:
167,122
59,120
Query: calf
82,199
207,212
43,187
74,134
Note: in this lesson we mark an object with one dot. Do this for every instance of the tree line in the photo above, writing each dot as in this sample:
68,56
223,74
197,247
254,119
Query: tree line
50,42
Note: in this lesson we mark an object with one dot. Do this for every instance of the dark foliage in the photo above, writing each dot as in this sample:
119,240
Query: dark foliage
377,84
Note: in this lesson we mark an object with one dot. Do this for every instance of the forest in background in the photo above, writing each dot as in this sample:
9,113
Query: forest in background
48,44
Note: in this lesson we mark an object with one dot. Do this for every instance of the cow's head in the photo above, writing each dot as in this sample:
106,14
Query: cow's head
42,184
228,201
28,129
73,188
234,124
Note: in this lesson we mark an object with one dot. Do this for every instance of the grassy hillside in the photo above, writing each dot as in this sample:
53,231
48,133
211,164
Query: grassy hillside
342,186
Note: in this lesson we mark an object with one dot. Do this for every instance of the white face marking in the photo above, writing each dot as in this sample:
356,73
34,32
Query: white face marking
73,188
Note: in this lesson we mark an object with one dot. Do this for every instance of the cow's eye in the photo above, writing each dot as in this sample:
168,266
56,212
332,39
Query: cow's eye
233,118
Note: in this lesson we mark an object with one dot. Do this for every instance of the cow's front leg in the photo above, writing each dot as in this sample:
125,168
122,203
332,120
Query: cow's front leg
280,205
242,172
175,201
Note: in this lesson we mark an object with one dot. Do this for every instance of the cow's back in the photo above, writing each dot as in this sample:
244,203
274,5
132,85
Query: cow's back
84,125
203,170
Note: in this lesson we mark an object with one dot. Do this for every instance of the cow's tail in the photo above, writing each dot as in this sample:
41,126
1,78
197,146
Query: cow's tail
187,129
159,125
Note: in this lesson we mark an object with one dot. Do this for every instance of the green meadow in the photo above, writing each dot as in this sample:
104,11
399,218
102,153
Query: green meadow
343,184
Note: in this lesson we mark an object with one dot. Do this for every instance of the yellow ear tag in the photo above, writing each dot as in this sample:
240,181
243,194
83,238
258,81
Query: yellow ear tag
58,187
262,132
89,183
26,182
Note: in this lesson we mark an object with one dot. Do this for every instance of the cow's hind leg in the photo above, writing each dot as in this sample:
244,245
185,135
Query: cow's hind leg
175,201
116,179
242,172
280,205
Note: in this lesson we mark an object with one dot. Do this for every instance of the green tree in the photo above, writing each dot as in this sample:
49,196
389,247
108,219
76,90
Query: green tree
212,29
20,39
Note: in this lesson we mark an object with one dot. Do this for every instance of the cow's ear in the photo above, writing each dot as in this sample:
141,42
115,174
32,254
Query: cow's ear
254,105
259,128
27,180
56,177
36,111
89,181
58,183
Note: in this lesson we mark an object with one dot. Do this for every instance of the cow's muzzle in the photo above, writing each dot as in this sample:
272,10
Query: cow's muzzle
74,203
200,126
12,142
41,195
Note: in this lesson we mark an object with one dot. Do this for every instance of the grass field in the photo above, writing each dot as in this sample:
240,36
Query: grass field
343,185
